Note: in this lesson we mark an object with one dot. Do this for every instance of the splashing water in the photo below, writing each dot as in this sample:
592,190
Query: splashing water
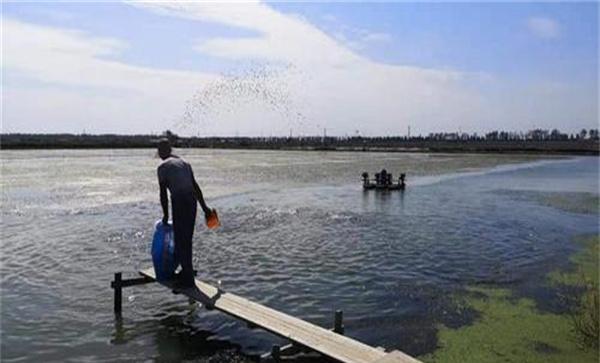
273,90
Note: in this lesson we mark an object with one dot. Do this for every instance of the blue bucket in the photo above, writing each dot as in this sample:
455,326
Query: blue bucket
163,251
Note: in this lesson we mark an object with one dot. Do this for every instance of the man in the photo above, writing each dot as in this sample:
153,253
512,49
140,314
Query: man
176,175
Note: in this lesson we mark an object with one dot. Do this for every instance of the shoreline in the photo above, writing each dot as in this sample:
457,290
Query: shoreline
550,152
335,144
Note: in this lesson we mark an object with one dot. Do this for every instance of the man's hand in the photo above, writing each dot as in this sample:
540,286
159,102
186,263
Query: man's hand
207,212
212,220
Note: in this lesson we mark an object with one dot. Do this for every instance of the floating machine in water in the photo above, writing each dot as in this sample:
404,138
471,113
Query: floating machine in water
383,181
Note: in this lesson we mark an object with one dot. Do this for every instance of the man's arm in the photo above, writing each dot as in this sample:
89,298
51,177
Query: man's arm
200,198
164,202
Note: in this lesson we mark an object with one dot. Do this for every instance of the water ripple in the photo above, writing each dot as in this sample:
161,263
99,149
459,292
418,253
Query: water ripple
296,236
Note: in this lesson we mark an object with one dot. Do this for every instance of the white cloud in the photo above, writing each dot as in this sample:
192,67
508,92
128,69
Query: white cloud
319,82
338,88
69,62
359,39
329,17
355,38
72,57
544,27
377,37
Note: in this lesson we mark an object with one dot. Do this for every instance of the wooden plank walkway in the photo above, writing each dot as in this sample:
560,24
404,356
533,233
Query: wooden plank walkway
319,339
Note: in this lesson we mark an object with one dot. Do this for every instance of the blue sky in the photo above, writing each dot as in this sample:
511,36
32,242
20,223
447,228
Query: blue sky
472,36
153,40
501,64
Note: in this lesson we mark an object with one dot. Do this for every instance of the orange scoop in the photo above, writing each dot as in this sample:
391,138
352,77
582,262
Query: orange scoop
212,220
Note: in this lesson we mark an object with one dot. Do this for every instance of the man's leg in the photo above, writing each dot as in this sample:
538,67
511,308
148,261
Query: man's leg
184,218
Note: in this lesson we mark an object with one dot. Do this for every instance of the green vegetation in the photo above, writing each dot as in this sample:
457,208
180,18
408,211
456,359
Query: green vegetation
585,307
512,329
586,265
575,202
586,317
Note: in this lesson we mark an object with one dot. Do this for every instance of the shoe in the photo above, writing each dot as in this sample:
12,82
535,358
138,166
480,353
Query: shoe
179,285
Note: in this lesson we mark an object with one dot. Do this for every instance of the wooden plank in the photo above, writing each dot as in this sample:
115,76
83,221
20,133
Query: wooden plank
395,357
322,340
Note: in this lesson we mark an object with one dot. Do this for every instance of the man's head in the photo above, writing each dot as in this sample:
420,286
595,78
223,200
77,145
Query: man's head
164,148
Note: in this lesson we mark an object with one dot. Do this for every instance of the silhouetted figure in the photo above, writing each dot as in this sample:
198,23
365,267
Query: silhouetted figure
401,181
384,177
176,175
365,178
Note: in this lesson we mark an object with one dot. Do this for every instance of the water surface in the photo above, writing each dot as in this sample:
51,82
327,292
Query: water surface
299,234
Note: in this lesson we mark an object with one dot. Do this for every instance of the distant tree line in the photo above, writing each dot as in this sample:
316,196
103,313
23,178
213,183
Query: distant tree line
536,134
538,140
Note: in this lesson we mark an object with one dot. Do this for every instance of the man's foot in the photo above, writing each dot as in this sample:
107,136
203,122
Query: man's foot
209,305
195,293
178,290
181,284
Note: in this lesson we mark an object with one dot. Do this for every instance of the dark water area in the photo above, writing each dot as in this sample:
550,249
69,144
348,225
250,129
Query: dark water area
298,234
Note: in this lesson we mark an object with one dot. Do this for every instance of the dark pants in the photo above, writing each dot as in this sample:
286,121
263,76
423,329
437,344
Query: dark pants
184,218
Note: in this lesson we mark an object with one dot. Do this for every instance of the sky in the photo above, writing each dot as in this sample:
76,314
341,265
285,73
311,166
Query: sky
280,68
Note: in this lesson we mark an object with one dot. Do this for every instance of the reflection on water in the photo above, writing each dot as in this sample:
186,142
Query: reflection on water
299,234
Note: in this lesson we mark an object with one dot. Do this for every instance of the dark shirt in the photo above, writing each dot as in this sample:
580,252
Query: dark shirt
176,174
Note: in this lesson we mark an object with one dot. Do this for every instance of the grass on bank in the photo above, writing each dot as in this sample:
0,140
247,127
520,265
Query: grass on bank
514,330
585,307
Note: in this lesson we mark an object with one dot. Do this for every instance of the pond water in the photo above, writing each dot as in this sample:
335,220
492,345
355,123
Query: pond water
298,234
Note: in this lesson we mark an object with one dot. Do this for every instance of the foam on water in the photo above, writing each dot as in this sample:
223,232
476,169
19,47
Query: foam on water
432,179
